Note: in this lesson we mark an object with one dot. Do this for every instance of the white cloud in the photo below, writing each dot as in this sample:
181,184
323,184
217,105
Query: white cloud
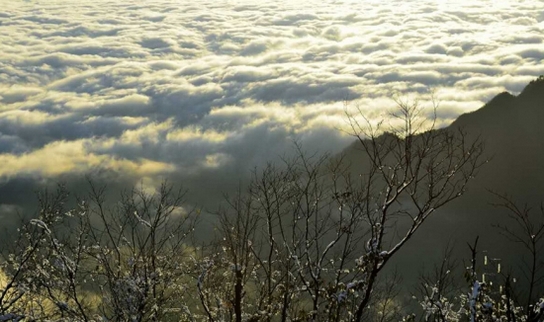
62,157
218,87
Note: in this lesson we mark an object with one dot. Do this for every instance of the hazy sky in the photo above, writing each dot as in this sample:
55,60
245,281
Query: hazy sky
204,90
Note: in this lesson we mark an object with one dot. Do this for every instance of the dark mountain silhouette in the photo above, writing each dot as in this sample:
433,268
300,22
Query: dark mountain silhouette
513,130
514,134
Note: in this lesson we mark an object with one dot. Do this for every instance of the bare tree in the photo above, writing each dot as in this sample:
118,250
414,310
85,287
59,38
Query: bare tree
306,240
491,295
527,230
21,294
316,230
121,263
412,173
438,289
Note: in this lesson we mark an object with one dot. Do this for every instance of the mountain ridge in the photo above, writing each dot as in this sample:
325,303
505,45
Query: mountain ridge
506,107
512,130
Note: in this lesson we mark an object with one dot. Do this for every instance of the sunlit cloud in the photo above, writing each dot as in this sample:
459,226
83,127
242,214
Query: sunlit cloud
217,88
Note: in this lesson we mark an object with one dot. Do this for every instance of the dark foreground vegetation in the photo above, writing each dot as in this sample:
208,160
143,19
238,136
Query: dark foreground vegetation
307,239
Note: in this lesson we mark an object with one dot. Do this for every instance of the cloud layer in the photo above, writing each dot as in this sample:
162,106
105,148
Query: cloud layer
204,91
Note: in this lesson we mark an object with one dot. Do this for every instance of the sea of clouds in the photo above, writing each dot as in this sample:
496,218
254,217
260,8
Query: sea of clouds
202,91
